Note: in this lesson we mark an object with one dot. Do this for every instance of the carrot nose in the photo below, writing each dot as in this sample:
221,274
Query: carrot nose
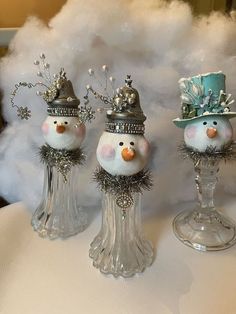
211,132
128,153
60,128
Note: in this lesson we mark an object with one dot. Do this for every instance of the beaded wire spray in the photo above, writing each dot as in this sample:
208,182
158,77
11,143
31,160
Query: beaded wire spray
52,88
118,101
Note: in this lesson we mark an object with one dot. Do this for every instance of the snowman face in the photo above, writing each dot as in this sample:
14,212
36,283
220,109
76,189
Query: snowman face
213,131
122,154
63,132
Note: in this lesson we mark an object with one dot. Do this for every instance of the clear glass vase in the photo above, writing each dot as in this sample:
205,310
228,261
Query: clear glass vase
59,214
204,228
120,248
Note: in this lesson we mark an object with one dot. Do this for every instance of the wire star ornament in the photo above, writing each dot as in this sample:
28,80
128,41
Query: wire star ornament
23,113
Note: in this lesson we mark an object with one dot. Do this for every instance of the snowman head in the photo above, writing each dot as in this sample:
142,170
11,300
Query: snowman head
64,127
122,154
122,148
63,132
205,112
214,132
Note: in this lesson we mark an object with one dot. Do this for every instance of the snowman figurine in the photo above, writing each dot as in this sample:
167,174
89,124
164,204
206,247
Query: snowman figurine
120,248
59,214
208,137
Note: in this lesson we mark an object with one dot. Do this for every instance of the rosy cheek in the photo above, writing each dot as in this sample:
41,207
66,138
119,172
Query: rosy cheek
191,131
80,131
228,133
107,152
144,147
45,128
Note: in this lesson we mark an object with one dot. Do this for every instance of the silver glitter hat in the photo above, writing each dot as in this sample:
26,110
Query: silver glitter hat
61,99
126,115
58,94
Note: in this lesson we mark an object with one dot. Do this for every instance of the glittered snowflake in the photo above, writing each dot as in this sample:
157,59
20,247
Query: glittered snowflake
86,114
23,113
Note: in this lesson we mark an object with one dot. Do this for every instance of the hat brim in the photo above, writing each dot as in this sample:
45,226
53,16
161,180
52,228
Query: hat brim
181,123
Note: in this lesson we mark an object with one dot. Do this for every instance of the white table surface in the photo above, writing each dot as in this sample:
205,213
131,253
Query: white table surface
39,276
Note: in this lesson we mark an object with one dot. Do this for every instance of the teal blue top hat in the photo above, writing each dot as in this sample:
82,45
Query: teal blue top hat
203,95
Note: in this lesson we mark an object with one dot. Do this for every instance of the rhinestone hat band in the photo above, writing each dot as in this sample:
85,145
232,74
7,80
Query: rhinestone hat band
62,112
125,128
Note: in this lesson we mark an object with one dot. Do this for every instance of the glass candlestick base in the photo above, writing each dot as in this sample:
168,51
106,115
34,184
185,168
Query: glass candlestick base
205,231
120,248
59,214
205,228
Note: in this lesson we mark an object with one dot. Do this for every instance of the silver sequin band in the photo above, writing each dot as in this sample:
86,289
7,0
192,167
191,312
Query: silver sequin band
63,112
127,128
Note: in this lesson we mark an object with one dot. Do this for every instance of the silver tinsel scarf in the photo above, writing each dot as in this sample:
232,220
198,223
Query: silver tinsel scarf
123,186
226,154
62,159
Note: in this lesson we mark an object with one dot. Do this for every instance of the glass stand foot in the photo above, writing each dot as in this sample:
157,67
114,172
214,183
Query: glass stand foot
55,226
126,260
59,214
205,230
120,248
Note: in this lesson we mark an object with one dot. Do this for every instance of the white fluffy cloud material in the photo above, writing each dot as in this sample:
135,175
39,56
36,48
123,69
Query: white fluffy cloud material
156,42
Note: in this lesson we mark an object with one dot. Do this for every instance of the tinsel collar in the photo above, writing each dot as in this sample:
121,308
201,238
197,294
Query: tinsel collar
227,153
62,159
123,186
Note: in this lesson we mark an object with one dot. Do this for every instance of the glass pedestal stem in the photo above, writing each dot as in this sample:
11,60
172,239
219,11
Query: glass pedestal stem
204,228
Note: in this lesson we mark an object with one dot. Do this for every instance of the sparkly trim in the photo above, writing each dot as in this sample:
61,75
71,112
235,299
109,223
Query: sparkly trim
63,111
226,154
123,186
125,128
62,159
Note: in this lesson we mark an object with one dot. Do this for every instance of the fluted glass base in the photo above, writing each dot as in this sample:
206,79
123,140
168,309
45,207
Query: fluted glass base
120,248
59,214
205,231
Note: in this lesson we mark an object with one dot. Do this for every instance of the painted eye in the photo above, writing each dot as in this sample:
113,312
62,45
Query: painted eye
55,122
66,122
121,143
204,123
132,143
214,122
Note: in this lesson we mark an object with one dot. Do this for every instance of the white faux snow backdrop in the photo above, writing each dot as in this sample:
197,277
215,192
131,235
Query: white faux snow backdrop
155,42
